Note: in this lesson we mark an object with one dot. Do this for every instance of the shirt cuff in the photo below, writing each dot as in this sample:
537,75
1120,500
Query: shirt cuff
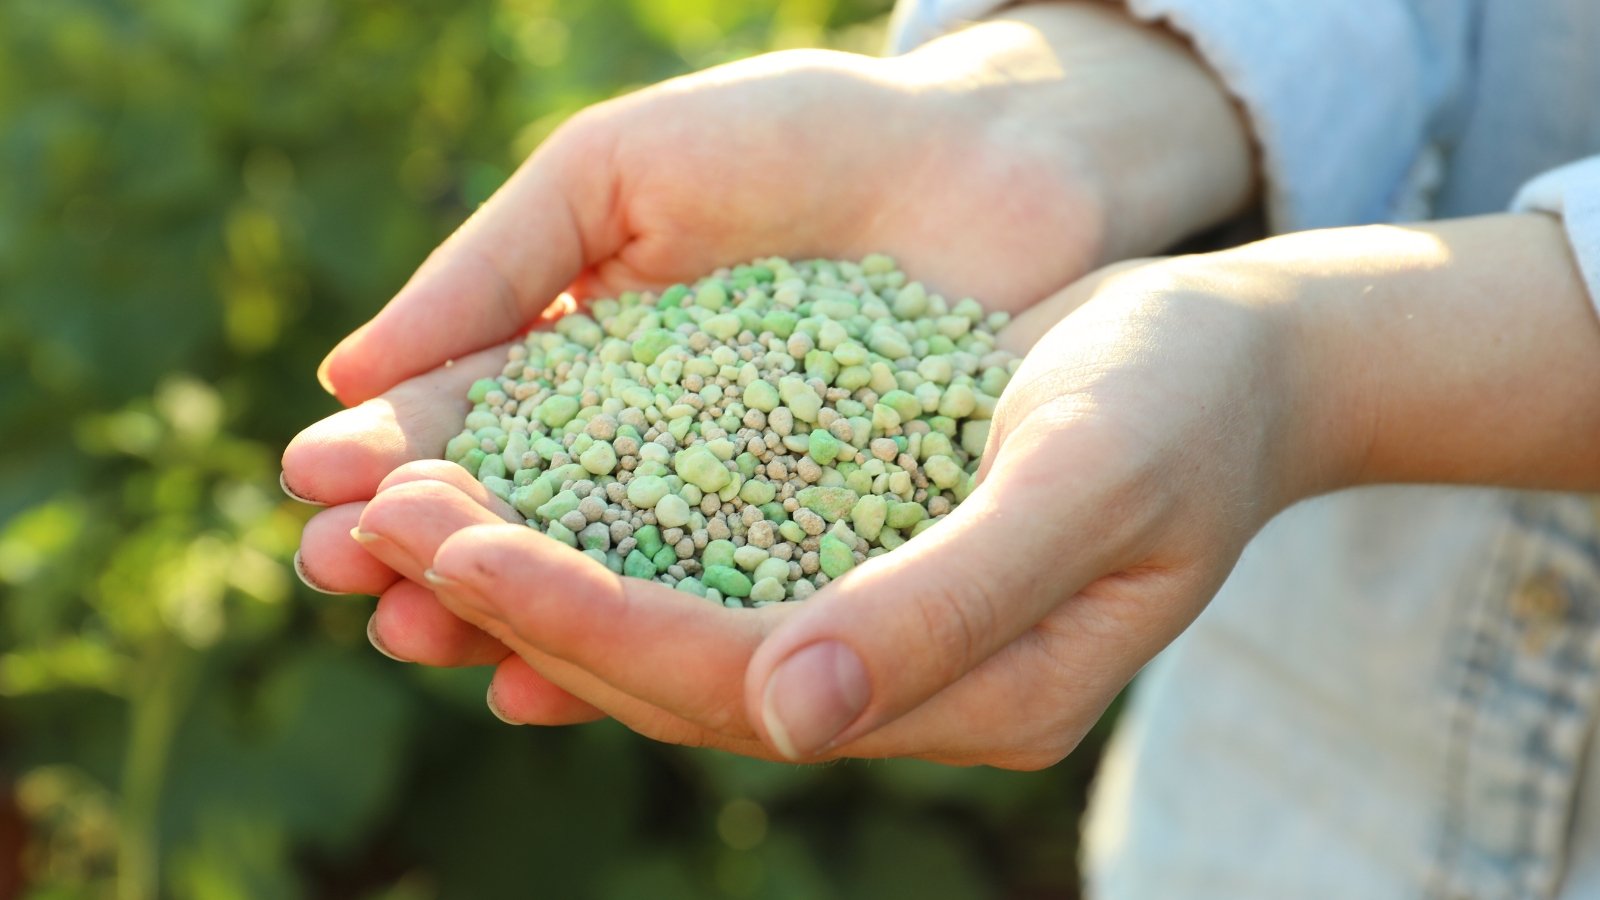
1336,94
1573,193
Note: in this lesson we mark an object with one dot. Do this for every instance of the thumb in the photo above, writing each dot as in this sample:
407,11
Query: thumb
495,274
886,636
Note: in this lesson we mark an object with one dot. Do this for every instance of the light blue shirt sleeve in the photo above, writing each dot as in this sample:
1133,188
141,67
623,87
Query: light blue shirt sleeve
1573,193
1343,97
1340,93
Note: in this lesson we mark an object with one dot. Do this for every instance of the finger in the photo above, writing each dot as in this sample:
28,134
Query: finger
402,527
345,456
437,502
1024,708
445,472
663,647
645,718
521,249
409,625
964,724
884,638
519,695
405,524
330,560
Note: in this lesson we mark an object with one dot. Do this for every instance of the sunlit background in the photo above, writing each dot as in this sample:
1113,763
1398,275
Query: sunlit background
198,198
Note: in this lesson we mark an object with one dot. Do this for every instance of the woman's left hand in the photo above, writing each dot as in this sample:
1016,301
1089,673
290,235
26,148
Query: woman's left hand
1174,409
1145,438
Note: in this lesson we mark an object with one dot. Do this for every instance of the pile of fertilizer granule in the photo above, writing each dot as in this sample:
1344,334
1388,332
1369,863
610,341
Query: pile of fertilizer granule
748,438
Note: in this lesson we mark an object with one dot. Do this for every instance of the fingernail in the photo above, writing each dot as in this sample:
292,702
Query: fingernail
439,581
495,708
377,642
322,373
378,545
307,580
289,491
812,697
457,593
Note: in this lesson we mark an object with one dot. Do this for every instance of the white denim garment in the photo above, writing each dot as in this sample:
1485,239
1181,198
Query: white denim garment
1396,693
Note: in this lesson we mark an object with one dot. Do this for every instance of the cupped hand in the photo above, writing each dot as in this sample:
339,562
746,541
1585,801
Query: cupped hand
1145,438
803,153
957,159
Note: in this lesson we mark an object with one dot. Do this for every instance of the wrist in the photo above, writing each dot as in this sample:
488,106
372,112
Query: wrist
1464,351
1122,109
1312,385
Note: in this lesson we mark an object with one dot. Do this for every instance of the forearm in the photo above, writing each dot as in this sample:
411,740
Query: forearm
1121,105
1459,352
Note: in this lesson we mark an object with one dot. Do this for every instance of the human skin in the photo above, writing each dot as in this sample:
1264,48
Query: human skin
1175,408
987,163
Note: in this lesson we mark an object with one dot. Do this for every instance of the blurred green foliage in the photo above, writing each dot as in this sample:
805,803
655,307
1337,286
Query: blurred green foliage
200,198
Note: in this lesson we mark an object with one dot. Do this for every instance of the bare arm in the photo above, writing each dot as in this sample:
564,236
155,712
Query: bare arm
1465,351
1125,103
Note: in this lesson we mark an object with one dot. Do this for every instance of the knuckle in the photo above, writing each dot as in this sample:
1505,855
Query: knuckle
396,504
958,615
484,268
426,470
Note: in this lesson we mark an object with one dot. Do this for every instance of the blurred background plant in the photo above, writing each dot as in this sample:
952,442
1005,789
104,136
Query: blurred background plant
200,198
